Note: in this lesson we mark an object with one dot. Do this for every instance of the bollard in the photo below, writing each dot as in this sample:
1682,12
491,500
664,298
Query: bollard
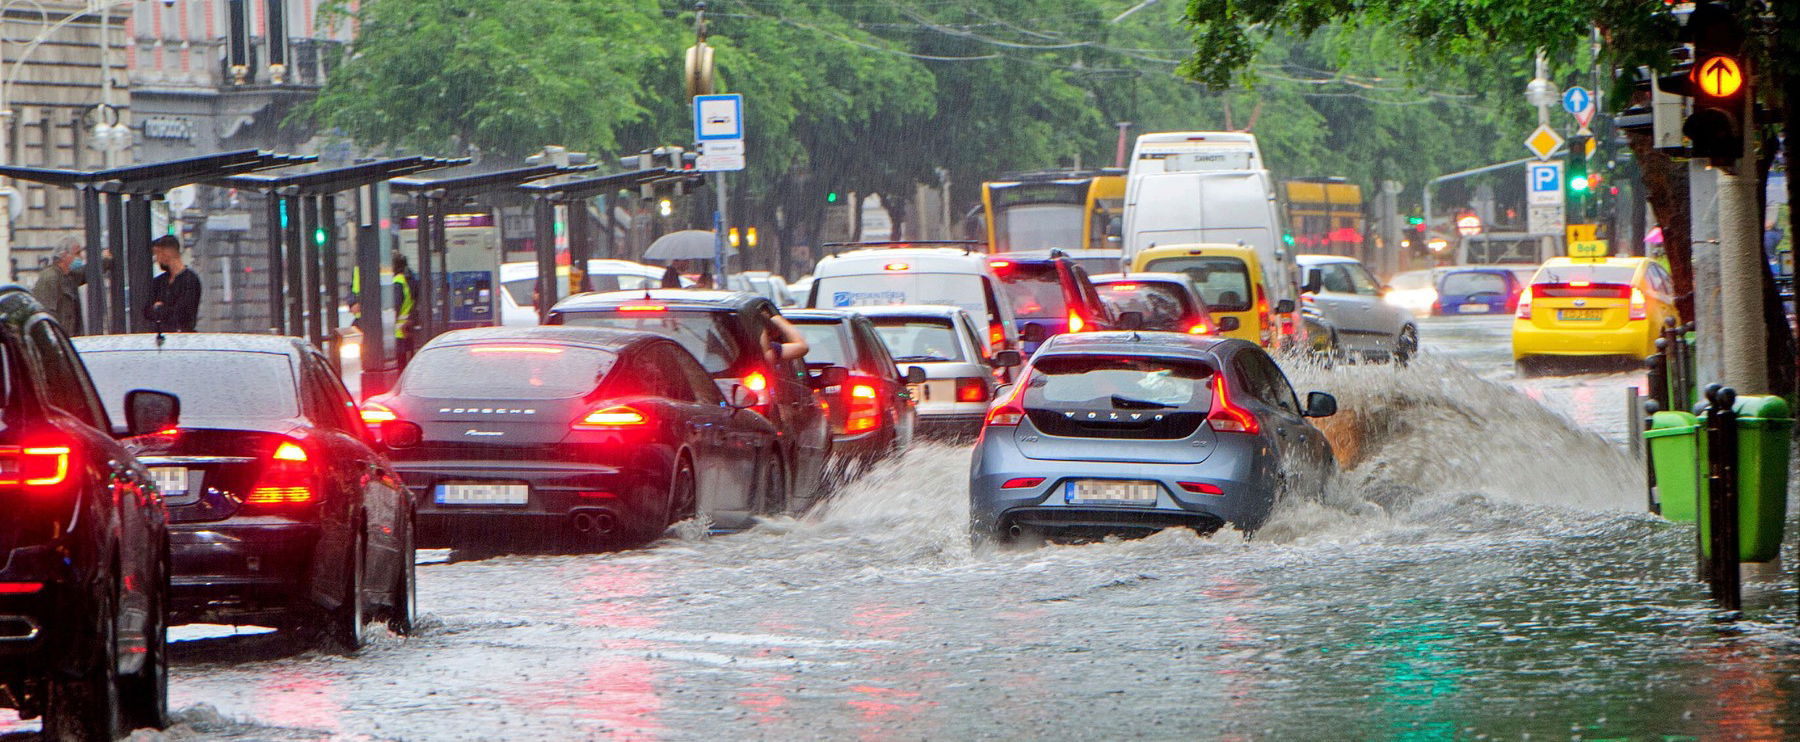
1719,523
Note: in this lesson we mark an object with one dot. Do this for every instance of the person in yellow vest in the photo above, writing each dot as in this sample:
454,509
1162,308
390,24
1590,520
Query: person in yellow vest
407,328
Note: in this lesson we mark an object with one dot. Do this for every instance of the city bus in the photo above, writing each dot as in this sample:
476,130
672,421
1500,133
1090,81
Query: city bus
1067,209
1325,216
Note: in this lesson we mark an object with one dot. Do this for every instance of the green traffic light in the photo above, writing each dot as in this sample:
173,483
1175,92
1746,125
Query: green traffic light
319,236
1578,184
831,198
1415,220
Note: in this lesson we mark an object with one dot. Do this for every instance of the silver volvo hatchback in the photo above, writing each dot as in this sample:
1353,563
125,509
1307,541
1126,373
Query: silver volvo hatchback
1133,432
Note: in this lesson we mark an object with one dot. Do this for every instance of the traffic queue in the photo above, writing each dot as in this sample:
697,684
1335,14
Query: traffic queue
162,479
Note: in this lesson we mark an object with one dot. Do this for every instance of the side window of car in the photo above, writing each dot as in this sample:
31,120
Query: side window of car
669,383
1359,277
337,403
1089,295
974,339
1265,382
1334,279
700,386
875,351
1660,281
65,381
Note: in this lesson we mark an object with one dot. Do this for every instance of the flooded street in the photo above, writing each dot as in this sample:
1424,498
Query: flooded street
1481,570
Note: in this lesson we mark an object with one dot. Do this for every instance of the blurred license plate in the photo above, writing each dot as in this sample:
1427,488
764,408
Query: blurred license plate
172,481
1472,308
1585,315
483,494
1083,491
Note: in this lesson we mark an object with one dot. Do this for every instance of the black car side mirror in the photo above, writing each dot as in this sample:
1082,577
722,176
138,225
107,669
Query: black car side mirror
741,398
830,376
1006,359
1285,306
1320,404
148,411
1131,320
915,375
1229,324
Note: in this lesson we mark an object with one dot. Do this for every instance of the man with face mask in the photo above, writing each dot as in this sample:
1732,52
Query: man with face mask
175,294
59,284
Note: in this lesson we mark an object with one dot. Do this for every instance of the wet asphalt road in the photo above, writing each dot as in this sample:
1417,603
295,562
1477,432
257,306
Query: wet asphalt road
1482,570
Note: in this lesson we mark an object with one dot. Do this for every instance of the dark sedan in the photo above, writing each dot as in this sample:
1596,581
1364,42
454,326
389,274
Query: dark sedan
873,414
283,513
83,546
571,435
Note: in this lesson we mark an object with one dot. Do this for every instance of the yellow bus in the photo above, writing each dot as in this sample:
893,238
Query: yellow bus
1067,209
1325,216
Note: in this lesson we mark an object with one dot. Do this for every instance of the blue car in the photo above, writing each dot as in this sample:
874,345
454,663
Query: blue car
1133,432
1477,291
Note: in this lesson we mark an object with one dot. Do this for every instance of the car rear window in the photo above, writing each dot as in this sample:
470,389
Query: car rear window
919,339
1468,283
218,388
1224,282
1119,383
503,370
1161,304
903,286
704,334
1035,290
1589,272
825,342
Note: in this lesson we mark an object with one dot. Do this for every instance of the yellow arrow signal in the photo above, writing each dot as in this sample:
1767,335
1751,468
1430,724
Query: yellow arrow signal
1718,76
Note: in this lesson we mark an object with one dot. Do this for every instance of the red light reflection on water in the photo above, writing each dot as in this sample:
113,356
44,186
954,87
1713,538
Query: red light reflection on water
294,697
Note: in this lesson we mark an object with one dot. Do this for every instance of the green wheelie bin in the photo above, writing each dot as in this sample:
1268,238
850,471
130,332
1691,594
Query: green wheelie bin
1765,424
1678,453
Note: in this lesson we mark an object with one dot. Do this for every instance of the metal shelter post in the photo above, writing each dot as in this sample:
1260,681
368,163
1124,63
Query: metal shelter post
581,245
543,221
139,266
115,241
329,252
311,249
440,250
277,270
294,265
423,206
95,319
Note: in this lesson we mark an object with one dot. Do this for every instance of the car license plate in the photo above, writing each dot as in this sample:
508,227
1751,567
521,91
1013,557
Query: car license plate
1583,315
1111,492
483,493
917,392
1472,308
172,482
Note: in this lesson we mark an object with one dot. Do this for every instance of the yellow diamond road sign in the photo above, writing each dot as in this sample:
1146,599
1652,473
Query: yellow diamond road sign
1543,142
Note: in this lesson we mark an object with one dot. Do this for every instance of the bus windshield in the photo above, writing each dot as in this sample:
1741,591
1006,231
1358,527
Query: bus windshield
1038,227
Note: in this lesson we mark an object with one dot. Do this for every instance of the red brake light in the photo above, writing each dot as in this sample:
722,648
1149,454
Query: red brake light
1009,412
996,336
1201,488
756,381
896,266
618,416
1076,323
1022,482
509,349
999,263
35,466
287,478
643,308
1579,284
971,390
1227,417
1119,286
1638,309
865,412
20,588
376,413
1200,329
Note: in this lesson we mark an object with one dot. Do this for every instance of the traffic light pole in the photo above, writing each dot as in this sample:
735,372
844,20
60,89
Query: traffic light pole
1745,352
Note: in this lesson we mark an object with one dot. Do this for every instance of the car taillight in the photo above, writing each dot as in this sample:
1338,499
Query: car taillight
1226,416
287,478
1200,329
996,336
20,588
611,418
865,411
971,390
1638,310
1287,324
35,466
1076,323
1022,482
1524,311
1202,488
376,413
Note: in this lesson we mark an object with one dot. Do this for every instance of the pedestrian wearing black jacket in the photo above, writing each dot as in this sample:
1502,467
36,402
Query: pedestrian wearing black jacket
174,304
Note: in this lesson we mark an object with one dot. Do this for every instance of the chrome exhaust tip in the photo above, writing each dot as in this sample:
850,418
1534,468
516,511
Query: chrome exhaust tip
18,629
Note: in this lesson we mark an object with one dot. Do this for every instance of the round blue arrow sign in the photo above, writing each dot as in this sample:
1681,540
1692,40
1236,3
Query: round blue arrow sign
1577,100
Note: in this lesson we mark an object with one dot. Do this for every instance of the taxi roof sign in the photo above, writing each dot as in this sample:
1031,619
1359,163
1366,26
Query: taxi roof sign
1589,249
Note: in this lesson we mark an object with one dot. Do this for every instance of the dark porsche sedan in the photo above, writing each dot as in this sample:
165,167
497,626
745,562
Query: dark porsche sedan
282,511
571,435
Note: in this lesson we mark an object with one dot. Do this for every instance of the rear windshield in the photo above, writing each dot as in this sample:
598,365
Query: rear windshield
218,388
705,334
964,290
1035,290
1119,383
824,342
1162,304
501,370
1039,226
1589,272
1224,283
919,339
1469,283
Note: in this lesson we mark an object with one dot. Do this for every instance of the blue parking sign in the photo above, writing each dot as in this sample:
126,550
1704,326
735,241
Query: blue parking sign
1543,182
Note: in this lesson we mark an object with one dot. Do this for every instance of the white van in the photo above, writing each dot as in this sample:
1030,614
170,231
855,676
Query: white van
520,280
917,275
1208,187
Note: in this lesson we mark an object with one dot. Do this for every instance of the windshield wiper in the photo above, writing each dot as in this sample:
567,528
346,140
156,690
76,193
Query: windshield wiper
921,358
1127,403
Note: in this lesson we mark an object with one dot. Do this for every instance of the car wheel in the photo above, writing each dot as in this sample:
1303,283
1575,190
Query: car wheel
86,707
348,620
145,696
1525,368
650,522
1406,346
404,613
771,489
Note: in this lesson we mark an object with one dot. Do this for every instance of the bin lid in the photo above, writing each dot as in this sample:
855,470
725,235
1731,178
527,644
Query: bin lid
1672,422
1763,410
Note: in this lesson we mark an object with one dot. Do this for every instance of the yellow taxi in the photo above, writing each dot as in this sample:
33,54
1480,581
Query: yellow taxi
1230,281
1592,307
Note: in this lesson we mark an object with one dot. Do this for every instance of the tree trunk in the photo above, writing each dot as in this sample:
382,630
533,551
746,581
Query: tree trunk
1666,187
897,208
